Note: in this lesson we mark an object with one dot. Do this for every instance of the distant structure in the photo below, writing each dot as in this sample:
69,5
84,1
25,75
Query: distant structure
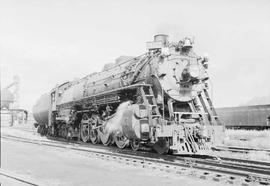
246,117
7,98
10,102
10,95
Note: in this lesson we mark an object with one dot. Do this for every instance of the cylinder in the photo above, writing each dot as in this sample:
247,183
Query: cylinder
41,109
132,126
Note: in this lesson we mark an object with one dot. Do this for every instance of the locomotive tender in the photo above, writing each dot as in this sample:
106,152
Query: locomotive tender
157,100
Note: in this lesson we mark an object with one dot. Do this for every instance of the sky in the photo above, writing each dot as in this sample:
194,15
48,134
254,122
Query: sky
49,42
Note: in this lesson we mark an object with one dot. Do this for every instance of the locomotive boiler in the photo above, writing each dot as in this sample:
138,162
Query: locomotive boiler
157,100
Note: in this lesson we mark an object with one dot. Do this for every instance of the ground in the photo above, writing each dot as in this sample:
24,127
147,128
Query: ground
52,166
56,167
248,138
10,182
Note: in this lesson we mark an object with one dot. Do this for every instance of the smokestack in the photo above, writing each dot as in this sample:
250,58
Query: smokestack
162,38
160,41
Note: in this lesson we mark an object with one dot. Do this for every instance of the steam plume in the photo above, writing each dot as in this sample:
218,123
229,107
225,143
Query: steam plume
114,124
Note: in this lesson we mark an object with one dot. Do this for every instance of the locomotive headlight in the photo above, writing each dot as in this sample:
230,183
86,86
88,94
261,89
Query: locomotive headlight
194,71
145,128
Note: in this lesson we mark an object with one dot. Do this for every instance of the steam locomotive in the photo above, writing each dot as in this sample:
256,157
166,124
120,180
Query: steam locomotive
157,100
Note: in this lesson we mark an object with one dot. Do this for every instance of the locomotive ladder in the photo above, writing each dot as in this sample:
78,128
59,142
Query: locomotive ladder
150,101
212,112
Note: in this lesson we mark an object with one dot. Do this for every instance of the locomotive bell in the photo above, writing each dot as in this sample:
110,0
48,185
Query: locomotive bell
187,43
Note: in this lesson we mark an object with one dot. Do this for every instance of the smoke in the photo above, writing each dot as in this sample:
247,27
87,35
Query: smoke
114,124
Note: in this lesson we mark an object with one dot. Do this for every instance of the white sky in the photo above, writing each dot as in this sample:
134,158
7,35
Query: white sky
48,42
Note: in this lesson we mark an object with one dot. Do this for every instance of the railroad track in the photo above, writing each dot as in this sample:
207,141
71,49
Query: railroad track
235,171
218,148
241,149
20,128
19,178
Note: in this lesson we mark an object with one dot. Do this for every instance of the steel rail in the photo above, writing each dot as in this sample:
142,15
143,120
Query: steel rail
247,175
260,167
234,161
217,148
18,178
239,149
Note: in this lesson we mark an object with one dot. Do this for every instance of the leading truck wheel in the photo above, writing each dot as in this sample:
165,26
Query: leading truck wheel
162,146
135,145
120,140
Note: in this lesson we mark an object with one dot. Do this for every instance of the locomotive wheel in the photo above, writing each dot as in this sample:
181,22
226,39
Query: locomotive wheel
93,135
69,132
84,128
135,145
39,130
85,132
62,131
42,130
105,136
120,140
162,146
65,132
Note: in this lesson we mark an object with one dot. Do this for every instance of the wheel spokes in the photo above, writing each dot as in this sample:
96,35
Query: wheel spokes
84,132
135,145
94,136
120,140
105,137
